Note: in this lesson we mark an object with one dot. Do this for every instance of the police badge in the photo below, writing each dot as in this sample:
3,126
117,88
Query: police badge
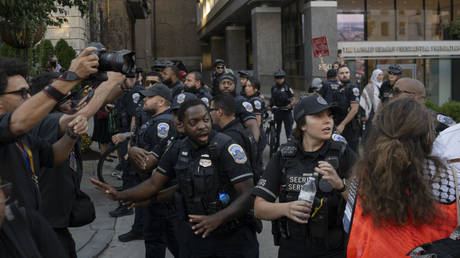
162,130
237,153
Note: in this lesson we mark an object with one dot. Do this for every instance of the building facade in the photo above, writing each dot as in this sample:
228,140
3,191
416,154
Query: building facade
370,34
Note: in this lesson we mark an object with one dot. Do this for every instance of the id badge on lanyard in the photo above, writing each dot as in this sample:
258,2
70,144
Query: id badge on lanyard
29,160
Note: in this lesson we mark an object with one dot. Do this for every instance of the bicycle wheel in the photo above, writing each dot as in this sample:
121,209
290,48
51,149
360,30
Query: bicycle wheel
107,170
272,137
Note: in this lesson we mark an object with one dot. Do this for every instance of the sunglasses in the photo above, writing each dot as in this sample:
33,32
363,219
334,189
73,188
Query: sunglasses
212,109
150,82
24,92
6,189
392,73
219,67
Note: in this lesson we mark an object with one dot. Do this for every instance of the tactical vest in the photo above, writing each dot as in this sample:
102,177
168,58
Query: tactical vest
204,190
280,95
326,215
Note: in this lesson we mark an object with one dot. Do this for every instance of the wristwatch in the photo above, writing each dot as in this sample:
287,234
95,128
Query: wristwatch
68,76
344,181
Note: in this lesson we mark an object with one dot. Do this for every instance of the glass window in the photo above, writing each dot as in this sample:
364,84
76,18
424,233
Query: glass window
437,12
410,20
350,27
380,20
350,6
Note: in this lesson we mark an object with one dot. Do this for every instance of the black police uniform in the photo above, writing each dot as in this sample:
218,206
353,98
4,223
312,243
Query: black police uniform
385,90
205,176
281,97
202,94
244,109
442,121
343,96
323,235
158,217
177,88
215,84
259,109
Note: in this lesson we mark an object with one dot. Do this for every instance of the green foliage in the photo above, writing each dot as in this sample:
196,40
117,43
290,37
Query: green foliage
453,28
451,108
65,53
45,49
34,12
6,50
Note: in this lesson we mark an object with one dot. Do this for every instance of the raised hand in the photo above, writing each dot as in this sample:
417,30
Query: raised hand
108,190
79,125
85,64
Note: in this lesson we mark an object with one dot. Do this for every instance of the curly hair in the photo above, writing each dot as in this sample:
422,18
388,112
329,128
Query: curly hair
392,186
11,67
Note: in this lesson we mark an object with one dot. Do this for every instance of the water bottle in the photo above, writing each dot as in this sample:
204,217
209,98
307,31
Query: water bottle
308,191
224,198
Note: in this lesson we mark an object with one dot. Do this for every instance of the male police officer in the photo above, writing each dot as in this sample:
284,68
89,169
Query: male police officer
215,184
244,109
219,69
346,97
193,84
283,99
170,76
394,73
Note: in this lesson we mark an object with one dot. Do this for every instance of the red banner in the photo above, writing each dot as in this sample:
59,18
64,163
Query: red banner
320,47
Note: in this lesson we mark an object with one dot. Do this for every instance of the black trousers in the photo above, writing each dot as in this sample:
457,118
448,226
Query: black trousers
67,241
239,244
130,179
283,116
160,224
304,248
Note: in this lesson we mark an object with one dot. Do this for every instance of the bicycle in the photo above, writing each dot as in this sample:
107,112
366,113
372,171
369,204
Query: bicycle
107,171
270,130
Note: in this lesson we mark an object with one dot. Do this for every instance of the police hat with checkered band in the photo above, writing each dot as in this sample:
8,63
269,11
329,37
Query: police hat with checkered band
310,105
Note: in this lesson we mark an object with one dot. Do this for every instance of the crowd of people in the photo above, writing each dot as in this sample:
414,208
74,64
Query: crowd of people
193,168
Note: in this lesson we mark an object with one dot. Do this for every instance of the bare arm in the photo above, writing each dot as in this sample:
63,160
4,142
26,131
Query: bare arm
63,147
351,114
259,120
252,125
271,210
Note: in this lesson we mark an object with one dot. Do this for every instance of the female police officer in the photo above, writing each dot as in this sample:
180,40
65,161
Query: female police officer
301,229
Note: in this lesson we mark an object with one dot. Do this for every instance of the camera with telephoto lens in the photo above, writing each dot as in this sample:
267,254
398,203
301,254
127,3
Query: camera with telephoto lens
123,61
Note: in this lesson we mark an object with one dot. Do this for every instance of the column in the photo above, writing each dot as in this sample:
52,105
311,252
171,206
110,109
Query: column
320,19
217,45
206,62
143,42
235,46
266,44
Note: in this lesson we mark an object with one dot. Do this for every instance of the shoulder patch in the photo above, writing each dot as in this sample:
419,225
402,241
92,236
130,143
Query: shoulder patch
205,101
247,106
445,120
136,97
180,98
237,153
356,92
162,130
257,104
338,138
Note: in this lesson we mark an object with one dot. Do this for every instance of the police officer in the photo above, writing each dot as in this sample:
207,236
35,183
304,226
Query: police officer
411,88
222,112
244,75
193,84
170,76
283,99
302,229
253,96
346,97
244,110
219,69
215,184
394,73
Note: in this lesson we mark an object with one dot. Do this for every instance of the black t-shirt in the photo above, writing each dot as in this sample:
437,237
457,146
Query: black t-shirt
342,96
233,129
236,168
14,166
244,110
385,90
158,128
177,88
270,183
281,95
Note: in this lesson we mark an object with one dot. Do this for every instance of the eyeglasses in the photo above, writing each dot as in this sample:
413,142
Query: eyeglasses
220,67
212,109
24,92
6,189
393,73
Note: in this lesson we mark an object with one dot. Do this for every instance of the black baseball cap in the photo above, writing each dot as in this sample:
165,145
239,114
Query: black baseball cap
228,76
157,89
331,73
219,61
310,105
280,74
181,98
244,74
395,69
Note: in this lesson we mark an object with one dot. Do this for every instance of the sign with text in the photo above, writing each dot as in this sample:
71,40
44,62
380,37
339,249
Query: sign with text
320,47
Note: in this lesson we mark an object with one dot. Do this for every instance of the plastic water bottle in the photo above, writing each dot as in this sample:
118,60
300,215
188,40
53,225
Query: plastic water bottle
308,191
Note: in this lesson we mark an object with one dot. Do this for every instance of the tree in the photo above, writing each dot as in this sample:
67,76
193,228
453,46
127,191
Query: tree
64,53
45,50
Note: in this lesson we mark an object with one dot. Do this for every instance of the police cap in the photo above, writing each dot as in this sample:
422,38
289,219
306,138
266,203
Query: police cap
310,105
227,76
219,61
280,74
244,74
158,89
394,69
181,98
331,73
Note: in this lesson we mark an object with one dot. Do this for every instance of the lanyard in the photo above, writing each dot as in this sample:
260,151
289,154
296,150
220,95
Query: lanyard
29,159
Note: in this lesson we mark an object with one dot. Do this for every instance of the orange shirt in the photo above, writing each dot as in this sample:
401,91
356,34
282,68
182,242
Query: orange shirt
367,240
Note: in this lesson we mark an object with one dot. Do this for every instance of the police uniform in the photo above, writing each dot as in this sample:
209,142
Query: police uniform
259,109
177,88
342,96
284,176
442,121
202,94
281,97
387,87
206,176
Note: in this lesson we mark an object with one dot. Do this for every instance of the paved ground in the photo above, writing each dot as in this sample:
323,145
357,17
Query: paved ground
100,238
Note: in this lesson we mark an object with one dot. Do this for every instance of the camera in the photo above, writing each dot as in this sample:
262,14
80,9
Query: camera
123,61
